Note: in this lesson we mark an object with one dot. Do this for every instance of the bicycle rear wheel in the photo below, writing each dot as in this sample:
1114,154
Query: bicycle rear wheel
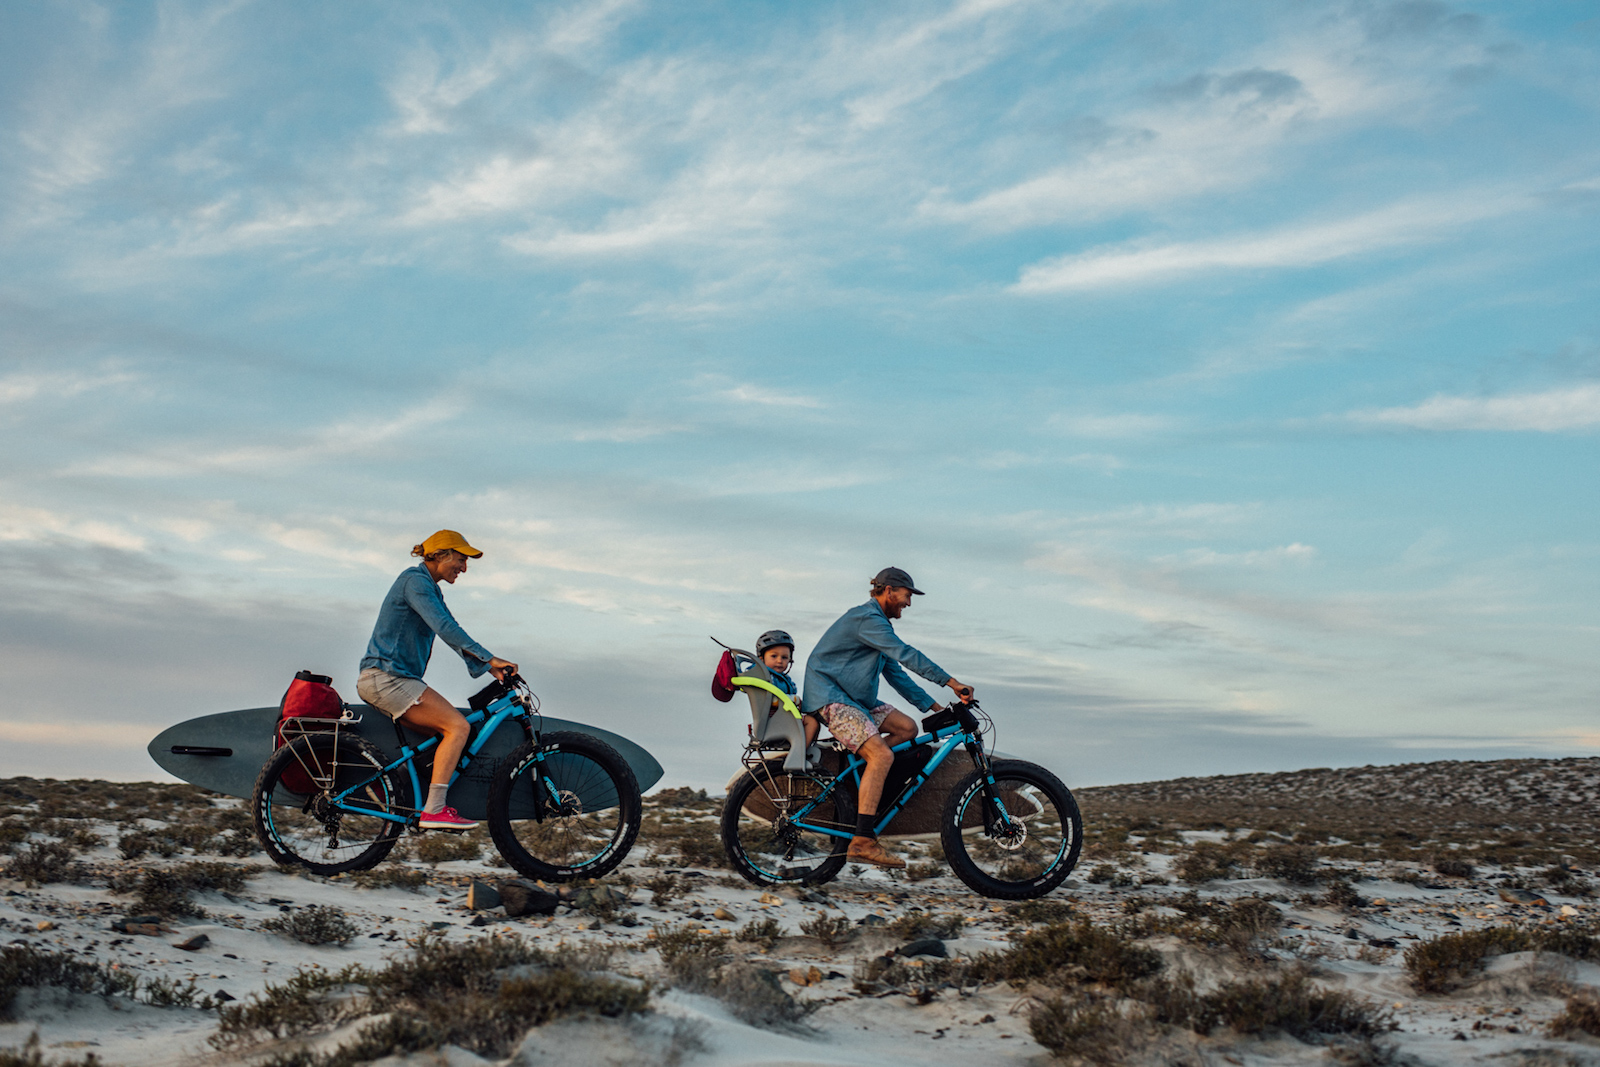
565,807
298,823
1016,840
761,840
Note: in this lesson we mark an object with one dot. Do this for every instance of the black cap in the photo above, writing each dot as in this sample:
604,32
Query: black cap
895,576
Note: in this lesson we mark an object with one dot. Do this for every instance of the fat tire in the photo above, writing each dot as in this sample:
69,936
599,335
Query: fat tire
826,871
956,843
270,830
623,781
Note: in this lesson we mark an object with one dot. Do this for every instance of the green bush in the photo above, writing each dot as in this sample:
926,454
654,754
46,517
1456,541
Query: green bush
763,932
435,849
25,967
1285,1001
1291,863
29,1055
314,924
43,862
1207,861
917,924
831,930
1087,1029
1070,950
1581,1015
1450,961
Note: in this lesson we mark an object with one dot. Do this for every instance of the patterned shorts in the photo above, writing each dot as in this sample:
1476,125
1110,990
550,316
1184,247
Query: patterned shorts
851,726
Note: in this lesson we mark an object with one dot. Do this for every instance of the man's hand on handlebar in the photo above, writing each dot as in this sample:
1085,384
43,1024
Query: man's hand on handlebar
963,691
501,668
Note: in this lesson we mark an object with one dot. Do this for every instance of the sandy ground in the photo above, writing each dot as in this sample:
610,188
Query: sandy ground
1499,1021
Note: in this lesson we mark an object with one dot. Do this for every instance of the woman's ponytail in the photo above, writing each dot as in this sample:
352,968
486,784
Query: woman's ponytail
416,550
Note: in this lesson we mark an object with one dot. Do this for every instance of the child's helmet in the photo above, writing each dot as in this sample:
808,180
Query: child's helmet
772,639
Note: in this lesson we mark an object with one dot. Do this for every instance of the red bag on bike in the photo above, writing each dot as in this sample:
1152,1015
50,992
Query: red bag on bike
722,681
309,696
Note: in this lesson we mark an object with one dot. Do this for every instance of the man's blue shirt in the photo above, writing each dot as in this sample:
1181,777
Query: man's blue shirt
856,651
412,612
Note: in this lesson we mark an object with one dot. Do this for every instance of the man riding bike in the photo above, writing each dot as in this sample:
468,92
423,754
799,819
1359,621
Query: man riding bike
841,689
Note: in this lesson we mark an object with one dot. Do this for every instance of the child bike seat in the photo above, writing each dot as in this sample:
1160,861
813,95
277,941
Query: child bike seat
773,728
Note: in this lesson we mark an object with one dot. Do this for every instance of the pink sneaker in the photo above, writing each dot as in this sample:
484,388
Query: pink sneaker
446,819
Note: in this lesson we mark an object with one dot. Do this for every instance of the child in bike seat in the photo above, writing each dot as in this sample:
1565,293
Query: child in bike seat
776,650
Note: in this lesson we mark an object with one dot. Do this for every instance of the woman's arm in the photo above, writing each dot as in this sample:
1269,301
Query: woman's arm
423,597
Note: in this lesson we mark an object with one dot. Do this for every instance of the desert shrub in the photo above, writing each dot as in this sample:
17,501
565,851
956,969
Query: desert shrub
1089,1029
921,978
1041,911
166,891
43,862
699,845
1580,1015
1449,961
1246,921
920,924
12,834
391,876
30,1055
1207,861
435,849
832,931
1070,950
452,995
1290,863
25,967
1286,1001
763,932
314,924
699,962
1453,867
920,872
689,952
1341,894
72,833
754,994
170,993
664,888
1110,874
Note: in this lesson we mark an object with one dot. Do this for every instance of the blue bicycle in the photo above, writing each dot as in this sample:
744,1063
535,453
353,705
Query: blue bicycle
1009,828
561,806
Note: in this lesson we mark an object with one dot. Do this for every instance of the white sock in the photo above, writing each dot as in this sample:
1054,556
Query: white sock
435,799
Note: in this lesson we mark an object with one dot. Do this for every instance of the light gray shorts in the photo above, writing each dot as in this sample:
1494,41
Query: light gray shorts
389,693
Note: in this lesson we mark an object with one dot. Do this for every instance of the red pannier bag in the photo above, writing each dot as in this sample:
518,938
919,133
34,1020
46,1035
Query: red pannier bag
722,681
309,696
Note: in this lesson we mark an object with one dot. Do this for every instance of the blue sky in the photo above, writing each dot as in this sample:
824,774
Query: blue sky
1227,373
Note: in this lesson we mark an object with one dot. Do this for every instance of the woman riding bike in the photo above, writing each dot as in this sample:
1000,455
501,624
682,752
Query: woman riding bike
413,613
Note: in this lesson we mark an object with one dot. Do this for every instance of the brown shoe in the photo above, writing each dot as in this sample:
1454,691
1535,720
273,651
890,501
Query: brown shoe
867,850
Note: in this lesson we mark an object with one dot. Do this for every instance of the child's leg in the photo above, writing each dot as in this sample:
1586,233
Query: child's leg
813,726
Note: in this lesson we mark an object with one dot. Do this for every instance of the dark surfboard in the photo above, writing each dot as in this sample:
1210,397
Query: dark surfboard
224,752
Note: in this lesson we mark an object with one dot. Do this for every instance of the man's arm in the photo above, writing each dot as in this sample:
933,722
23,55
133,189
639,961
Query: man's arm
897,677
877,633
425,600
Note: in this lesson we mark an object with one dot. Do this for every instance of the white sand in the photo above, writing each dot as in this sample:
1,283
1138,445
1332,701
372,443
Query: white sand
847,1027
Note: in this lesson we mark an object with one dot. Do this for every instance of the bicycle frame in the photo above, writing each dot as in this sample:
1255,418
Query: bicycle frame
948,736
492,717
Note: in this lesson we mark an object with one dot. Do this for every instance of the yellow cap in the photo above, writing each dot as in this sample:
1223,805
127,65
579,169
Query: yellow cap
448,539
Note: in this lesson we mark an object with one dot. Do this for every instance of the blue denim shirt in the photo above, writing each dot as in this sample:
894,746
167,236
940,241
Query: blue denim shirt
412,612
862,646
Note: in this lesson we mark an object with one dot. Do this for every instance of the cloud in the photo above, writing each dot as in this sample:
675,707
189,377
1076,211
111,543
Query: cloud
27,524
755,394
1138,263
1574,407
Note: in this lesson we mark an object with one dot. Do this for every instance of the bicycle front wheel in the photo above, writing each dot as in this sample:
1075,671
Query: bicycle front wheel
297,819
1015,840
762,840
564,807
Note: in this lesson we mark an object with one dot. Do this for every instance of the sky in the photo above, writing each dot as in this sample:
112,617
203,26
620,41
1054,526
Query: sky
1227,373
